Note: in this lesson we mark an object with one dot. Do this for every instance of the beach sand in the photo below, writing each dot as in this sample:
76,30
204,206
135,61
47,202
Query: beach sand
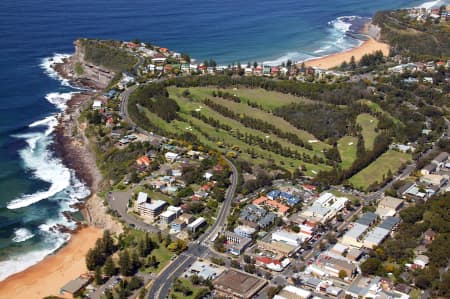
47,277
367,47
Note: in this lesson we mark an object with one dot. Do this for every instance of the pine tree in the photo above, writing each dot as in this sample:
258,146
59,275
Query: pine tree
110,268
98,276
91,259
108,243
125,263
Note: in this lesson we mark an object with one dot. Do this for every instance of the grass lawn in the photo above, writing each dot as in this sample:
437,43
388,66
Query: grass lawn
390,160
196,290
347,150
163,256
368,124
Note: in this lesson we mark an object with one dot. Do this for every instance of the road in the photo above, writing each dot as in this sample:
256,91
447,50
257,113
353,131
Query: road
161,286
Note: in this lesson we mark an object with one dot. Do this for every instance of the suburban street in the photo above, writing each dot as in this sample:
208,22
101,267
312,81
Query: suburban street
161,286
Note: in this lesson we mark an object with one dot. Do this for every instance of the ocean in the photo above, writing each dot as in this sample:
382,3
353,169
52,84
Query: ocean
35,187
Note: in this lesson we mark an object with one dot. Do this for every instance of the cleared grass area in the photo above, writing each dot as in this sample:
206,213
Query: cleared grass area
196,290
368,124
347,150
390,160
244,109
162,255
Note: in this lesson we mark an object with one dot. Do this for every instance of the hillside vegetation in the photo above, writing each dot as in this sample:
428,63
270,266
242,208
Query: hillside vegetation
413,38
107,54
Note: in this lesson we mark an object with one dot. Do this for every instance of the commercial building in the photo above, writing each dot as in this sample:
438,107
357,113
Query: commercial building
167,217
193,227
289,238
389,206
291,292
151,210
245,231
236,244
177,225
354,236
237,284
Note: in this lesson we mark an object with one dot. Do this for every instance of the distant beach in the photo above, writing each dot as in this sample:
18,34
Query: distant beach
48,276
367,47
367,31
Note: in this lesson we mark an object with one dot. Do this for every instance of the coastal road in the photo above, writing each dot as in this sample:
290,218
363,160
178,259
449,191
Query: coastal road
161,286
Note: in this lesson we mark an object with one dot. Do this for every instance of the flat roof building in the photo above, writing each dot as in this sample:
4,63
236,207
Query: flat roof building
151,210
74,287
237,284
196,224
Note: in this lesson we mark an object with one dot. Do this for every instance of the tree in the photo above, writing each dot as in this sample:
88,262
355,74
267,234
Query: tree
108,294
370,266
125,263
98,276
342,274
352,63
91,262
142,293
109,268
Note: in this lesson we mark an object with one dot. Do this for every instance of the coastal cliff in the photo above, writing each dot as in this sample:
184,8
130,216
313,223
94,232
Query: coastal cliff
72,145
82,72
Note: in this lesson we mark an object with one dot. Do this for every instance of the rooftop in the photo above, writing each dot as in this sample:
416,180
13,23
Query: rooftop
232,281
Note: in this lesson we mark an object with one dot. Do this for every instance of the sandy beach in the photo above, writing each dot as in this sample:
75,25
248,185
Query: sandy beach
47,277
367,47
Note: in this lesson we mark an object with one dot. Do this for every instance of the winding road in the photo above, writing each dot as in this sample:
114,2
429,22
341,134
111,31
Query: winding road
161,285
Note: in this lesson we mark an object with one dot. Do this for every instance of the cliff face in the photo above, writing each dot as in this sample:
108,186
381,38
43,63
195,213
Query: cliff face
84,73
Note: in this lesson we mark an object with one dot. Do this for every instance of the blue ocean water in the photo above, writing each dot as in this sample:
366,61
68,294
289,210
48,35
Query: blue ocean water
35,187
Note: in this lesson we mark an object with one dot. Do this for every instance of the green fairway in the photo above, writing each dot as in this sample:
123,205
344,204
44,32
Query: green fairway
268,100
368,124
244,109
347,150
391,160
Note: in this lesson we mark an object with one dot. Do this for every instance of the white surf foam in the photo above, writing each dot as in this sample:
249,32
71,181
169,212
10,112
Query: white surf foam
65,188
48,63
15,264
22,234
59,99
38,159
336,41
430,4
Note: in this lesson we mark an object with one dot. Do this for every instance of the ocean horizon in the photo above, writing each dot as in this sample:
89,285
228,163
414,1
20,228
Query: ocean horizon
35,186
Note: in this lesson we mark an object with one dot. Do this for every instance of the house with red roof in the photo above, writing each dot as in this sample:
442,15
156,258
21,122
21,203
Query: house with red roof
143,160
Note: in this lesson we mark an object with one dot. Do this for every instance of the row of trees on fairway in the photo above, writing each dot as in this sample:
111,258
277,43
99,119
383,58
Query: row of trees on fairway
263,143
364,158
255,123
323,120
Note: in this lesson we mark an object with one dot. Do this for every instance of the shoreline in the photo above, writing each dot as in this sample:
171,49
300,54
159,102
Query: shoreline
54,271
368,46
68,262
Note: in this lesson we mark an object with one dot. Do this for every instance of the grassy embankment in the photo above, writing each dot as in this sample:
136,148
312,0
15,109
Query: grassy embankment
389,161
